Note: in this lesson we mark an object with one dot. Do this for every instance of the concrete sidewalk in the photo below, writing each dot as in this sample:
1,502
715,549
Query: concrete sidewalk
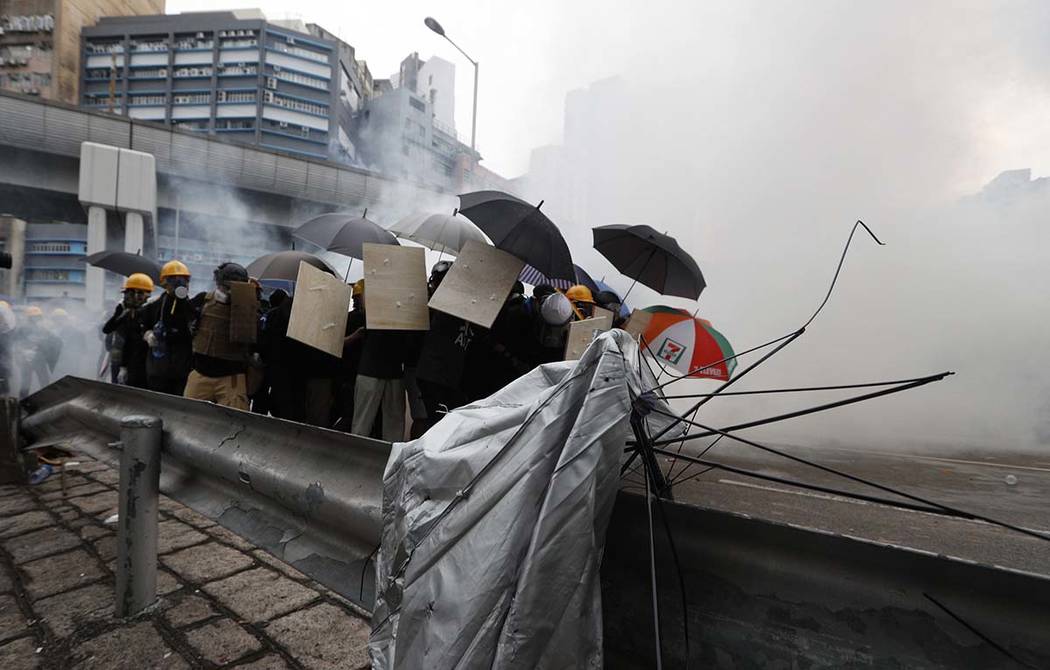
223,602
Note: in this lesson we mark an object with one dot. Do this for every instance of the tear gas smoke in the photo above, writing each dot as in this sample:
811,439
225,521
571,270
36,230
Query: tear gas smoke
758,133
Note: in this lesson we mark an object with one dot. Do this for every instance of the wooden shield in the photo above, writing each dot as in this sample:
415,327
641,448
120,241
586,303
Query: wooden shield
477,284
638,322
395,288
582,333
319,308
244,313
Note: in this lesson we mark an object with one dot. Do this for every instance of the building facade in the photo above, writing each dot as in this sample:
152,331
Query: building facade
223,73
40,42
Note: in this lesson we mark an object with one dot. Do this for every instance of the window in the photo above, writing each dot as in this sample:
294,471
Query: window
192,98
147,72
298,105
48,247
147,99
193,71
47,275
418,104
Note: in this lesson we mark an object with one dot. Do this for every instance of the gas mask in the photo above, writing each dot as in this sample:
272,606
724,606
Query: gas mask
134,299
180,287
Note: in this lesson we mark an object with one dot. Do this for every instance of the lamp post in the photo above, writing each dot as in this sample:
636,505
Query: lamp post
436,27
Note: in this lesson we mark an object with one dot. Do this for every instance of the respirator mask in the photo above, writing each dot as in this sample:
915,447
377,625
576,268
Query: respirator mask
180,286
134,299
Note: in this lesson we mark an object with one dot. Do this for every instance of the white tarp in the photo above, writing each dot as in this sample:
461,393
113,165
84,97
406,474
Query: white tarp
494,522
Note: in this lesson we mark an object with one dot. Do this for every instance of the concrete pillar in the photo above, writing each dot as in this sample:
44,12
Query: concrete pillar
15,244
137,522
134,235
95,278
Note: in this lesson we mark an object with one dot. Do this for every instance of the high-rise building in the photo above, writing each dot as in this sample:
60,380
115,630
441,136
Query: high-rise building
227,73
40,42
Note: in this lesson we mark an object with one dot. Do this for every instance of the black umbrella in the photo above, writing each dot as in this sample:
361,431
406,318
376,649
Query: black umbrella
652,258
125,263
344,233
521,230
284,265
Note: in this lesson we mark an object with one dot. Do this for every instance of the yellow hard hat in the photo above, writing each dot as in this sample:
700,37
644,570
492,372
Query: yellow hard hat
359,287
138,282
58,311
174,269
579,293
33,310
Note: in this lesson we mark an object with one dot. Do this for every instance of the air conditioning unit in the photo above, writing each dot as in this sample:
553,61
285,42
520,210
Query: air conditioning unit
241,64
163,72
282,124
276,68
271,82
200,36
267,96
291,40
221,96
222,33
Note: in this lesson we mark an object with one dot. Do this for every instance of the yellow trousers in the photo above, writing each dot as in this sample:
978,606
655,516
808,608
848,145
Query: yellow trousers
231,391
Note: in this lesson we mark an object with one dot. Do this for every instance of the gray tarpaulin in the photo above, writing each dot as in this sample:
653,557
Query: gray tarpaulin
494,522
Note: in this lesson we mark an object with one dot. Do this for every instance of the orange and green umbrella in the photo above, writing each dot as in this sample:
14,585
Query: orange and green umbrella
687,344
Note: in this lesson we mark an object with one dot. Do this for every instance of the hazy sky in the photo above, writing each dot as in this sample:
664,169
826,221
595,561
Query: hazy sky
532,53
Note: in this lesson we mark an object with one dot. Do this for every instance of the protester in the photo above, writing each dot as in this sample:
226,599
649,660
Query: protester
36,347
380,387
128,321
353,345
551,326
610,301
168,334
582,301
442,360
219,363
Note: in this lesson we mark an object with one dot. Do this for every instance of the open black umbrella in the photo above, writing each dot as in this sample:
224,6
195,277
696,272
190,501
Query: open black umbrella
124,263
439,232
521,230
652,258
344,233
284,265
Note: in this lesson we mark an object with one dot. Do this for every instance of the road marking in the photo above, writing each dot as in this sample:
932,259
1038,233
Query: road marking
965,462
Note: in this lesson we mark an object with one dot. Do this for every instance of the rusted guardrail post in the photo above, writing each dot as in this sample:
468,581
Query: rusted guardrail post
137,524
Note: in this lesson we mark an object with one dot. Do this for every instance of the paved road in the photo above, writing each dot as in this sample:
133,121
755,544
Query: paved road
972,482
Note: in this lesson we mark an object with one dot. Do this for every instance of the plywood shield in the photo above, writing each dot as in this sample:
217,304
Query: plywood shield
477,284
638,322
244,312
582,333
319,309
395,288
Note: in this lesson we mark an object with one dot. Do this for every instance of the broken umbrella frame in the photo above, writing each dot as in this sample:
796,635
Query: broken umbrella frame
646,447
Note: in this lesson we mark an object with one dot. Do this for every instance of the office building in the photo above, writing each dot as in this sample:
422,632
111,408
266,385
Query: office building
223,73
40,42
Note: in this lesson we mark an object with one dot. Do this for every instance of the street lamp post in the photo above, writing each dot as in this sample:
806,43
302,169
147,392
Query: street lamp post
436,27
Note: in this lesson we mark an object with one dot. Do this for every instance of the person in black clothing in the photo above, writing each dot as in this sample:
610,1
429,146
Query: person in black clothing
380,388
500,355
170,342
127,322
353,345
442,360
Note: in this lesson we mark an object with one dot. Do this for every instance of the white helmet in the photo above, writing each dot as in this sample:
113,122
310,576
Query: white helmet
556,309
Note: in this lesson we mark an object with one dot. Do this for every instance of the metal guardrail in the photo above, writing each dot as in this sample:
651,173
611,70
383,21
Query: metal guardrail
758,593
307,495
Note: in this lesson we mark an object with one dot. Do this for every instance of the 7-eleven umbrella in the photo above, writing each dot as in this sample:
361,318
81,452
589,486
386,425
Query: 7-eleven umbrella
689,345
